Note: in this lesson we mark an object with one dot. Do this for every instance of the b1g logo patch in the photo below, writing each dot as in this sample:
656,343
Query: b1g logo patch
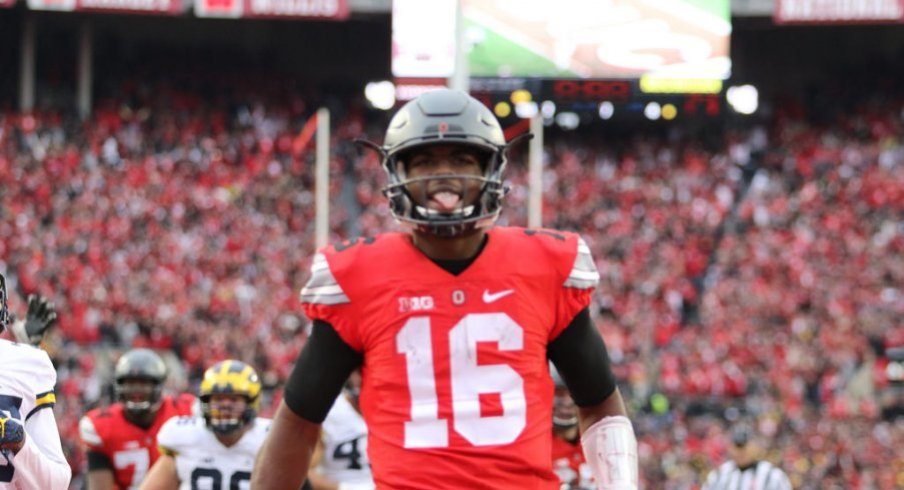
416,303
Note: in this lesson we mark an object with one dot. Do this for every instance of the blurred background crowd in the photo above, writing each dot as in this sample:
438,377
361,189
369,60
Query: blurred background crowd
749,271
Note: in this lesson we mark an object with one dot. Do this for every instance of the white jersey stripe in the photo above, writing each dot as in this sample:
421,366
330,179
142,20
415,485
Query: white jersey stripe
583,273
322,288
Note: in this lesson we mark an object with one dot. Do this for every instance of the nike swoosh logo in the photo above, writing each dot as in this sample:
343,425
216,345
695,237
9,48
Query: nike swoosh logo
489,297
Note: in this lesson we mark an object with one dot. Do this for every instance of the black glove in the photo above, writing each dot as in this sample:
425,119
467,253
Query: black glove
40,318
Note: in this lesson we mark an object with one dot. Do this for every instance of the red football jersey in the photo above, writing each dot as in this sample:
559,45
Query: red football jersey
456,390
131,449
568,462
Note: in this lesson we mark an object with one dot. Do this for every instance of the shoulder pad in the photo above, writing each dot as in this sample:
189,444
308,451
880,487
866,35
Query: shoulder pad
26,362
178,432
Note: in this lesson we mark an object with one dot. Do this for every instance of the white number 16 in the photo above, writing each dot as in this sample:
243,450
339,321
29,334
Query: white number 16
469,381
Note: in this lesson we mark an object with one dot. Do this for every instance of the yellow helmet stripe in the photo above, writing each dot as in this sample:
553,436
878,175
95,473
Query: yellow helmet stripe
237,375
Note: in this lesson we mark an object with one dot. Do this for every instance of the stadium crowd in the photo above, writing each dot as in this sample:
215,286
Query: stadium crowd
758,277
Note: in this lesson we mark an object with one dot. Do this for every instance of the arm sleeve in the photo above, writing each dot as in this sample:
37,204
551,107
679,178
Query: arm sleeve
321,370
98,461
580,356
40,463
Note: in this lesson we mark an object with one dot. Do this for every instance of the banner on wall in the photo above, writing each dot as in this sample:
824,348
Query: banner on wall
838,11
234,9
154,7
273,9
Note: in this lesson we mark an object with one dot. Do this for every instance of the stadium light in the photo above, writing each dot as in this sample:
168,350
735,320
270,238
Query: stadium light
606,110
502,110
744,99
381,95
526,110
568,120
520,96
669,112
548,109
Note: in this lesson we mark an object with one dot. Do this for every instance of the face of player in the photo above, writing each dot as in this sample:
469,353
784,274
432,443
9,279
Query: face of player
449,162
225,412
137,393
564,411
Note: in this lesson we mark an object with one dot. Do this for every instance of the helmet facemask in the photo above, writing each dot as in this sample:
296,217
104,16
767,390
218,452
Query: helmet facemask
140,396
564,412
4,304
227,413
472,201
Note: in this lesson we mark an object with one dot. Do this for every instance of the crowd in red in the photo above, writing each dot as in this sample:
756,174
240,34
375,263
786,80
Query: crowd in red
758,277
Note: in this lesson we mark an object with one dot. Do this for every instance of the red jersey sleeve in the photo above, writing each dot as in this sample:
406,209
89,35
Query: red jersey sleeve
92,431
579,281
323,298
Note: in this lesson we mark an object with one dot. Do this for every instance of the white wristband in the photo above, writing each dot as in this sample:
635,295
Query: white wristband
18,329
610,449
356,486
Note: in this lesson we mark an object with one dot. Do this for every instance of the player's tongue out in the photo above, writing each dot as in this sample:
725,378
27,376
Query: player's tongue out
445,201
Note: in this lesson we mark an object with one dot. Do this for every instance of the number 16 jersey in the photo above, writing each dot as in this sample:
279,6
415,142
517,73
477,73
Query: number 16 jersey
455,390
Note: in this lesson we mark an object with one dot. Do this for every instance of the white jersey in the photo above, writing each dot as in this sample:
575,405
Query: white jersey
27,378
344,439
761,476
202,461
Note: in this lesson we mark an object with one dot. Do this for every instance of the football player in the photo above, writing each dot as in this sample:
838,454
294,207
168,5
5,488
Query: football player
340,459
121,439
452,324
30,452
216,450
567,455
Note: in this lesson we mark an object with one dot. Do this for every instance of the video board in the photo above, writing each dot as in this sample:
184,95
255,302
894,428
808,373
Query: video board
586,39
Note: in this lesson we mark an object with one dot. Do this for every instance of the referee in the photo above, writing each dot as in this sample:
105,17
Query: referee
745,470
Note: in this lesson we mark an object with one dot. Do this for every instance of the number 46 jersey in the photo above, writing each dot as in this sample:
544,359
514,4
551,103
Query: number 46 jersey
456,390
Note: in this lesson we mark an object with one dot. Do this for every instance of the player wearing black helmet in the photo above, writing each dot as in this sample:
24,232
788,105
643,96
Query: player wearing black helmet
138,378
120,439
452,324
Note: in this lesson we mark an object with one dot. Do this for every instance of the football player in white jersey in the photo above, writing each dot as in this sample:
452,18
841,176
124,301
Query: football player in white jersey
215,451
31,456
340,458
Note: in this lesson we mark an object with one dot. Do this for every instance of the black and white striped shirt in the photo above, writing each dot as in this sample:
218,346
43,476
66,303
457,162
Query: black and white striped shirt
761,476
